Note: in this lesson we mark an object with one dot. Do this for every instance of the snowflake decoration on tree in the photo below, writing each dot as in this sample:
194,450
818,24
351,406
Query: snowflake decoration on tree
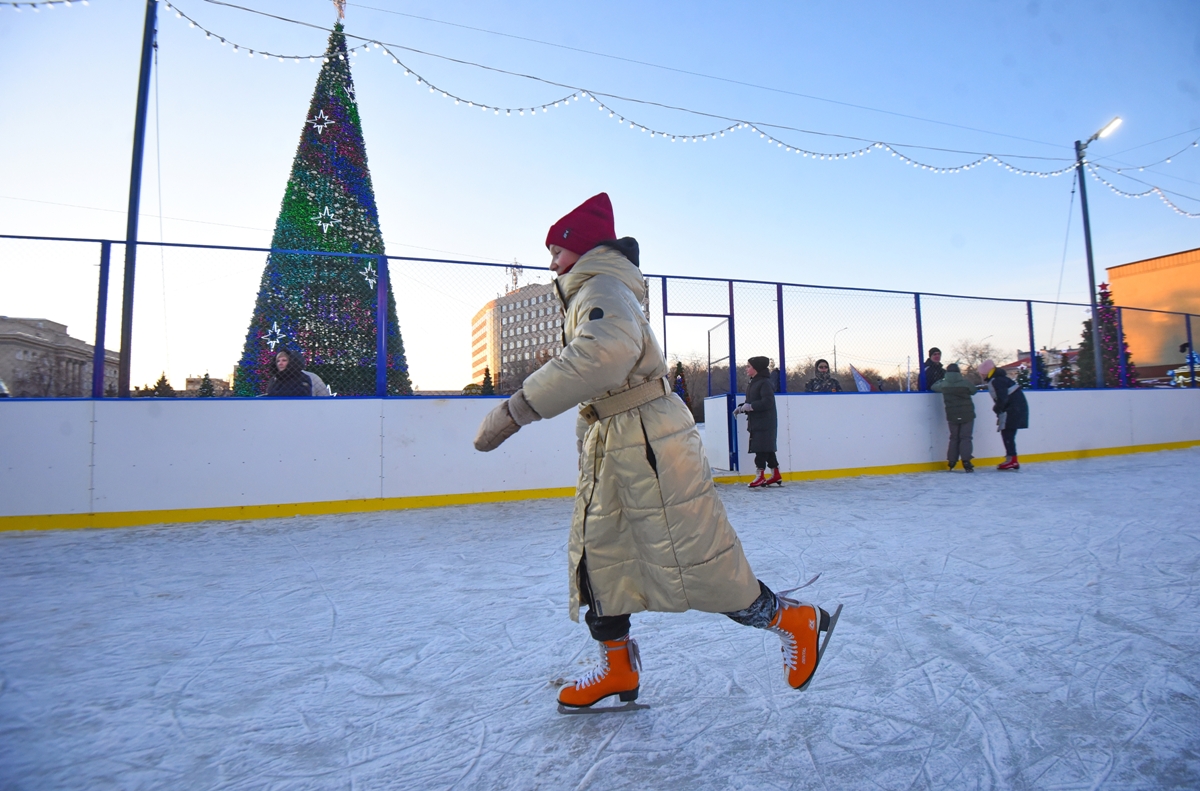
350,91
321,121
274,336
368,273
326,219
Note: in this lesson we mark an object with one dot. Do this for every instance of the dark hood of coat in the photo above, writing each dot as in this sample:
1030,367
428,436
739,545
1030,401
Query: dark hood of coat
626,246
295,366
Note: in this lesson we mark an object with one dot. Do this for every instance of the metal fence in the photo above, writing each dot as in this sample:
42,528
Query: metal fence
224,311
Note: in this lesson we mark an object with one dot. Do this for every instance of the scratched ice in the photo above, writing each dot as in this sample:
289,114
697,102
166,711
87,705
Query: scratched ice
1025,630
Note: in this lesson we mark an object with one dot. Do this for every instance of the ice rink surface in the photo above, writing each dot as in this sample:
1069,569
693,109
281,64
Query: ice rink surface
1038,629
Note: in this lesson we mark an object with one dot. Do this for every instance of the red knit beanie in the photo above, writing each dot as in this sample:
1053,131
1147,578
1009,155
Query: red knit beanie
588,224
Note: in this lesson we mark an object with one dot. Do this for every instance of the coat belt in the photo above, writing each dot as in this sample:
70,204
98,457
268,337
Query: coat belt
625,400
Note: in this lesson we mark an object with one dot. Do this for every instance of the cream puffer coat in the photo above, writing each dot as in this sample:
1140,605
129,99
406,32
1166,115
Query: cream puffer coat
654,539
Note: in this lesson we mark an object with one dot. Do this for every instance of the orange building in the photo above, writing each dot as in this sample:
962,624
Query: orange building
1169,282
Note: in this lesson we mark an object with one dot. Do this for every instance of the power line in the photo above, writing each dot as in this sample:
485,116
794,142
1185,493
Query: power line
735,124
705,76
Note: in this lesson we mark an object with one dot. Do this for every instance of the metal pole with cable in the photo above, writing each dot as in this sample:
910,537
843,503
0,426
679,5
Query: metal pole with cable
135,197
1080,148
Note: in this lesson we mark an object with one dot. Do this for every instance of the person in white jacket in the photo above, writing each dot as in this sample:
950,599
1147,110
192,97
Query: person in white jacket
649,531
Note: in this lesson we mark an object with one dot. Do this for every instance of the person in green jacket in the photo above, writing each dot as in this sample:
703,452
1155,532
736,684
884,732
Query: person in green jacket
960,415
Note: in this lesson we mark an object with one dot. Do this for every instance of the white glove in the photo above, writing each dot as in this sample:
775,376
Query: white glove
504,421
743,409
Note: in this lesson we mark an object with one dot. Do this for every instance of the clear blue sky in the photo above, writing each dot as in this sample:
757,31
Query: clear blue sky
1027,78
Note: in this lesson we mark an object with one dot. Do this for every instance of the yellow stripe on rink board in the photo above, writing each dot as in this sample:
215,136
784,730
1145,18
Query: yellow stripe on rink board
228,513
238,512
935,466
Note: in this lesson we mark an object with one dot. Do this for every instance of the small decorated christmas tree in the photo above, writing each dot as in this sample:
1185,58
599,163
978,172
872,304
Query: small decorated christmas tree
322,305
206,389
488,388
680,386
1111,347
1066,379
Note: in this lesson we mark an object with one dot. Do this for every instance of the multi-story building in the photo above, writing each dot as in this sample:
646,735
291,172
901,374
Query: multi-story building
39,359
514,334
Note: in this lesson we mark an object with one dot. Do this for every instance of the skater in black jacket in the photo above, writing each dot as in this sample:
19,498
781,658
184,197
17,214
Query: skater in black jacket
762,420
1011,408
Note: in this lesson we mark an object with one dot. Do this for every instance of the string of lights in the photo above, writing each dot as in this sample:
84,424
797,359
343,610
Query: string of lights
38,6
733,125
1151,190
1165,160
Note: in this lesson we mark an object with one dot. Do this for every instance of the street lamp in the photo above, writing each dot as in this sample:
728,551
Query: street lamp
1080,148
843,329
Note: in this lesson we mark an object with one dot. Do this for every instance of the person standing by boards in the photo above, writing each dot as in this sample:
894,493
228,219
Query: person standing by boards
762,421
1011,408
649,532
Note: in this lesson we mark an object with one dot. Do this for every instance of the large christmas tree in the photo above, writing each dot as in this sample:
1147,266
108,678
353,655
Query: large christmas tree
1111,346
325,306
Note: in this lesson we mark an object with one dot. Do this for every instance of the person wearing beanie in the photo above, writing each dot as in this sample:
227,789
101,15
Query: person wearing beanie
933,368
957,395
649,532
762,421
1011,408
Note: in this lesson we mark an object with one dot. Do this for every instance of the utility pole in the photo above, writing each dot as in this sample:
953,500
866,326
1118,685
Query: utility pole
1087,246
135,197
1080,148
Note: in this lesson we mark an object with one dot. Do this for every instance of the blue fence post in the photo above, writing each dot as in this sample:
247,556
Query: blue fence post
664,338
1033,368
1121,355
1191,352
920,346
381,312
101,317
731,399
782,367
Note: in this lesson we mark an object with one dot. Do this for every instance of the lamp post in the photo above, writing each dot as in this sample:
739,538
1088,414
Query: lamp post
843,329
1080,148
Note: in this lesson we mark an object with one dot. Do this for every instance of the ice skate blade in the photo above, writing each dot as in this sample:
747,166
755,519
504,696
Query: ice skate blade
833,619
624,707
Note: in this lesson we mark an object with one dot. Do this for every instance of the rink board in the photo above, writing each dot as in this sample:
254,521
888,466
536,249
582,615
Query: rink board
832,435
111,463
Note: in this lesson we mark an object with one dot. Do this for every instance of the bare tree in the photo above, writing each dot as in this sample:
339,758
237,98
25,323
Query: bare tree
35,379
971,353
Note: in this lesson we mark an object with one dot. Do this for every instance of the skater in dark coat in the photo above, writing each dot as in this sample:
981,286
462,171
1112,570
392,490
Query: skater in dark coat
1011,408
762,420
960,415
289,378
933,368
823,382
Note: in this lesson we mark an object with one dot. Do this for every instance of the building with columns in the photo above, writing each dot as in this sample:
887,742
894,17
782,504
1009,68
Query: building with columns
38,359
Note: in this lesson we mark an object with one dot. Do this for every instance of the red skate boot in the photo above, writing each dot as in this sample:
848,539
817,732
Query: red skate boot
776,478
1010,463
617,674
759,481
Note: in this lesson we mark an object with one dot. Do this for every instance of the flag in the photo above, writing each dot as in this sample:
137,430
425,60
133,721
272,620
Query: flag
862,383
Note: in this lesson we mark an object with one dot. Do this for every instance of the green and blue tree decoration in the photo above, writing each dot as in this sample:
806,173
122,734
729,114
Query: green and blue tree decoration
325,306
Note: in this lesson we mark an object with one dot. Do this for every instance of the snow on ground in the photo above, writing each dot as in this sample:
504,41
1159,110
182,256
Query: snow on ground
1003,630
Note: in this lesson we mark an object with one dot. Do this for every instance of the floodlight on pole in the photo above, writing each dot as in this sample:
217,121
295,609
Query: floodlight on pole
1080,148
1108,129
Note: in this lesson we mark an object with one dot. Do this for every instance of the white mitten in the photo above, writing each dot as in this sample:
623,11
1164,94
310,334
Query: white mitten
496,427
504,421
